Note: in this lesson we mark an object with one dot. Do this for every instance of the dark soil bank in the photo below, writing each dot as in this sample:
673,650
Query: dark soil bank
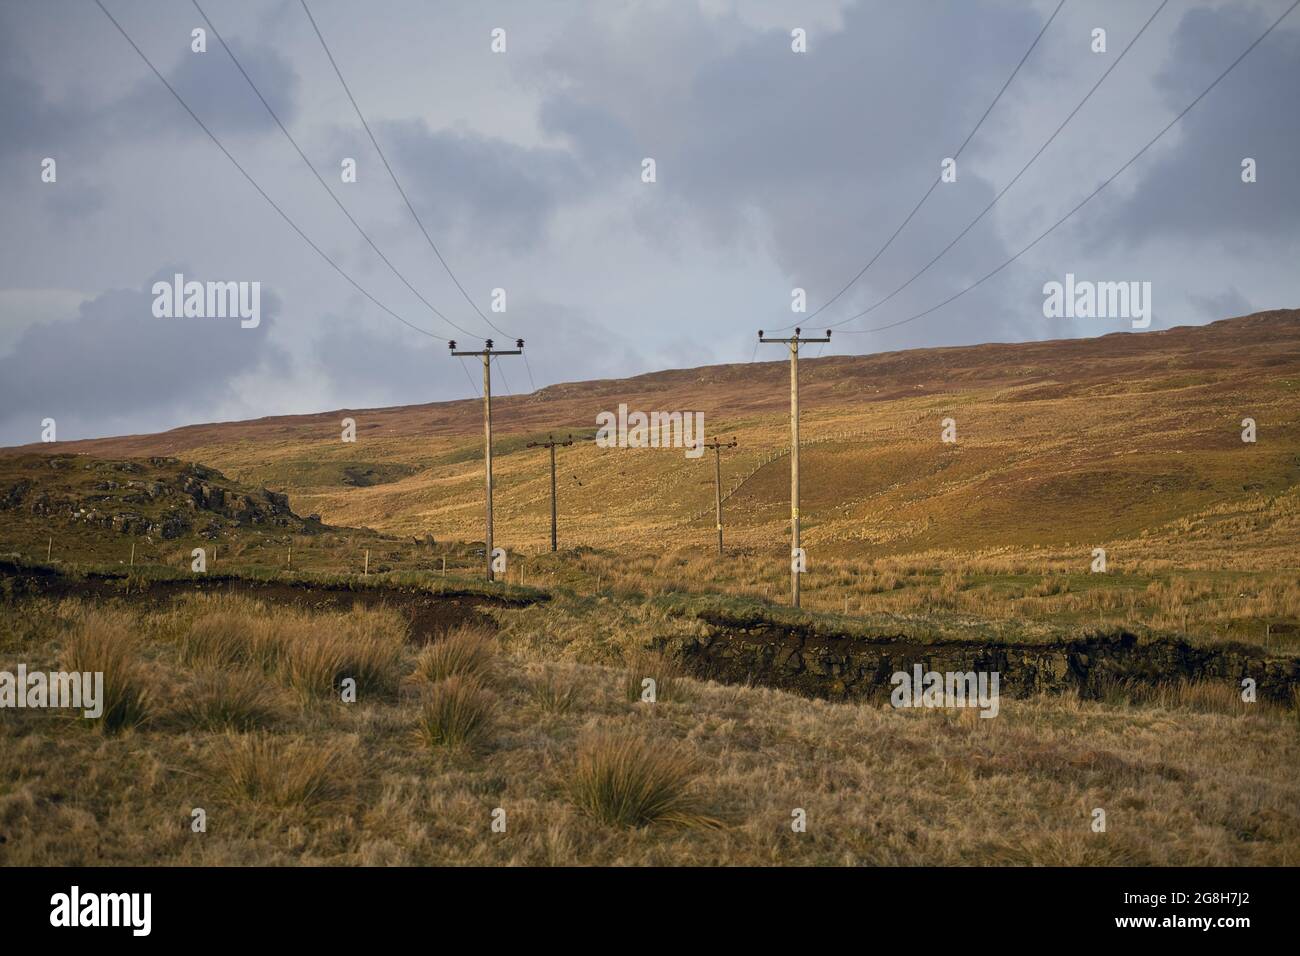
427,613
853,667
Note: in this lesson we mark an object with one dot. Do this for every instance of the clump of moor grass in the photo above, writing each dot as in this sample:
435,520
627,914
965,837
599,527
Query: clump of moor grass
626,780
456,712
106,642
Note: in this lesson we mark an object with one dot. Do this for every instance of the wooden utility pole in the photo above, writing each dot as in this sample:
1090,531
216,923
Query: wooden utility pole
793,343
717,447
551,443
486,354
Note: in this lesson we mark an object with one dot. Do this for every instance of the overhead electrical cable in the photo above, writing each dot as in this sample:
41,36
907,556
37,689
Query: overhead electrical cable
970,225
1106,182
397,183
938,179
261,192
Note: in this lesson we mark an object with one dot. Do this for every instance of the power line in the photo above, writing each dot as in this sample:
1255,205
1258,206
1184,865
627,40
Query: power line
1043,235
472,387
289,136
1014,180
529,369
285,216
392,175
915,209
502,373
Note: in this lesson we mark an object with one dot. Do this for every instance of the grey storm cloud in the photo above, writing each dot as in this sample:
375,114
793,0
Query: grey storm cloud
32,123
600,139
209,83
115,359
775,170
502,193
1195,188
1226,304
347,352
788,141
212,86
75,202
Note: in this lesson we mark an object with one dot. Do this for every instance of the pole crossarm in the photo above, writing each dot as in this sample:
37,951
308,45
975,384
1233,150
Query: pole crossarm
488,350
550,442
794,339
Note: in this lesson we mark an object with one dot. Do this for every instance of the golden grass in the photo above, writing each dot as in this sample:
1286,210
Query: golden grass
280,773
1184,778
553,695
237,632
221,700
1202,601
464,651
456,712
1131,452
313,654
318,666
107,643
652,677
627,780
1206,697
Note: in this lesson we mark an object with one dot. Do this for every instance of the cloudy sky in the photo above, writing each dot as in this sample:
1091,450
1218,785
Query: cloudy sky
774,170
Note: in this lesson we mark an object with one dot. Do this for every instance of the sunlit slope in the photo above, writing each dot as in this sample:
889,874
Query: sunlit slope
1059,444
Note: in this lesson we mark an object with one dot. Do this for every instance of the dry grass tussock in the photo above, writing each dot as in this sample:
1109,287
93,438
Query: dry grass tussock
652,677
106,642
456,712
464,651
311,653
276,772
1206,697
629,780
553,694
239,700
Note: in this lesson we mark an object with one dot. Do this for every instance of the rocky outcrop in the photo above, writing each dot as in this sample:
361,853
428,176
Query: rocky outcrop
161,497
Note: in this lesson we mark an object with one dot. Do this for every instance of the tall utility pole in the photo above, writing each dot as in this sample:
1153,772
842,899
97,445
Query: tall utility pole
487,354
717,447
793,344
551,443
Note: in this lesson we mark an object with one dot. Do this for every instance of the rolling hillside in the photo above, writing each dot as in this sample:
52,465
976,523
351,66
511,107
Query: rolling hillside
1062,445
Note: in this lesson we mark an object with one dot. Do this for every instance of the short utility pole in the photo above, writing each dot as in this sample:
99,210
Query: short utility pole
552,444
486,354
794,343
717,447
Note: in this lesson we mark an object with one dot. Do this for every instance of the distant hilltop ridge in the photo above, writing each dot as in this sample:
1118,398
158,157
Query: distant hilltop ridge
1249,343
